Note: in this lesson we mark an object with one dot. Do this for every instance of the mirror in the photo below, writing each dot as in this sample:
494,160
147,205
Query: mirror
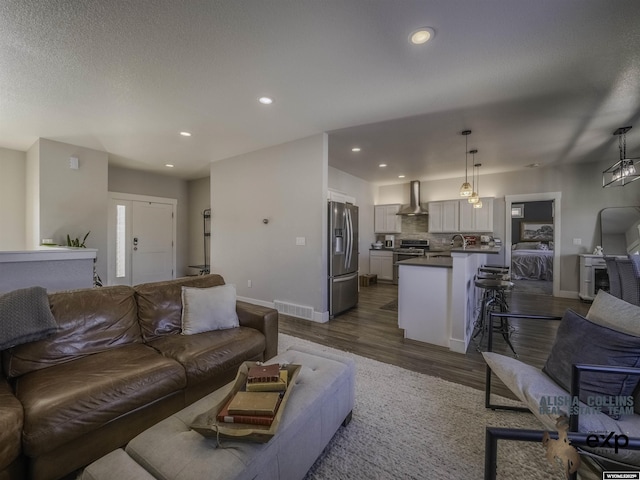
620,230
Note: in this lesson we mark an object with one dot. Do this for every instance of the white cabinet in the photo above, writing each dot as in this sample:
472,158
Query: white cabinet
444,216
476,219
593,276
385,219
381,264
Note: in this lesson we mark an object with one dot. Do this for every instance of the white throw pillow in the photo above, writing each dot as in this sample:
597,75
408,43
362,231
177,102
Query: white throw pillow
206,309
615,313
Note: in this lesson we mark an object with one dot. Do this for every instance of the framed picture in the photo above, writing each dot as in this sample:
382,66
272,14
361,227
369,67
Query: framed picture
536,231
517,210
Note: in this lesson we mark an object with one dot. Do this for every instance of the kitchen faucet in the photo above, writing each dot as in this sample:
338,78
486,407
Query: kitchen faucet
464,240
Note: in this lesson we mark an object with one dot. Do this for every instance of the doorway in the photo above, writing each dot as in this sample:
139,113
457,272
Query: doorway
531,237
142,239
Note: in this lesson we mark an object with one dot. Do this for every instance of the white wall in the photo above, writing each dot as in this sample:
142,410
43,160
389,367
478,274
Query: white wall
124,180
582,199
364,193
199,200
13,167
32,194
287,185
74,202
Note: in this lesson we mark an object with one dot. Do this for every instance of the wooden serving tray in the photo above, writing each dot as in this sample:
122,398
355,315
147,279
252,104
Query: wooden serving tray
207,425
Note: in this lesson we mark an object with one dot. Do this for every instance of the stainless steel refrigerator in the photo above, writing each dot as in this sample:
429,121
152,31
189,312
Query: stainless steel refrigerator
343,257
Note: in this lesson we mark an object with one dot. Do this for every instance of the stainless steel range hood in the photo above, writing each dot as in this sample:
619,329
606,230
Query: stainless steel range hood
414,207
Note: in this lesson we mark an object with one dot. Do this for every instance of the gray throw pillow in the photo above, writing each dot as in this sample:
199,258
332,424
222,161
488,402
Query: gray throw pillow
580,341
25,316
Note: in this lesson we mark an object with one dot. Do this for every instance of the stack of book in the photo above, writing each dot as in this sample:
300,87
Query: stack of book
258,403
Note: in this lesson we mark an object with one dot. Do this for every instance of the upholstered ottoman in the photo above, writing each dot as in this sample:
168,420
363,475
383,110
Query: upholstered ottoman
321,401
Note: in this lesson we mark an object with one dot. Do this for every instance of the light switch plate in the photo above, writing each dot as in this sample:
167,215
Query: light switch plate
301,241
577,241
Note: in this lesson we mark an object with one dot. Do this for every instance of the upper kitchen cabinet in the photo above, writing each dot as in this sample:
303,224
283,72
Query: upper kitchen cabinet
476,219
386,220
444,216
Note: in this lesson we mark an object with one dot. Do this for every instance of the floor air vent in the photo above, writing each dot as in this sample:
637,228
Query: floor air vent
299,311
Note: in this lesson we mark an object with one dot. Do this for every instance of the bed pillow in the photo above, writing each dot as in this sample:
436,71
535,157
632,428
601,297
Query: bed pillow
527,245
25,316
580,341
542,246
207,309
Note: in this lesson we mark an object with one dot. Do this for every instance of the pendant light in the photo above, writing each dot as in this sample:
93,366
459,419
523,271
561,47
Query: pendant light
474,195
478,204
623,171
466,190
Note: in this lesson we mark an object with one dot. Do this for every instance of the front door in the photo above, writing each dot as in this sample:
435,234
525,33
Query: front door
141,241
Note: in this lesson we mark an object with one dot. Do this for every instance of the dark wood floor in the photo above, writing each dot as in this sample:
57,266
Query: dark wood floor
369,331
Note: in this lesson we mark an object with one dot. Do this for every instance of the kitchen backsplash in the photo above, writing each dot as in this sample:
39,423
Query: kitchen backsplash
418,224
416,228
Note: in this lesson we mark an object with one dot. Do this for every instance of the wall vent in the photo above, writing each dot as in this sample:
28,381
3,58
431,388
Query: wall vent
294,310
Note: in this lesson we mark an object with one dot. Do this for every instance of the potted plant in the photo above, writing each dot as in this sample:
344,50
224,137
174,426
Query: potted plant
75,242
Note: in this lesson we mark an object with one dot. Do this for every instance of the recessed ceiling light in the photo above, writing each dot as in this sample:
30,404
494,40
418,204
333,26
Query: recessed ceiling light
422,35
533,165
185,134
400,176
169,165
382,165
356,149
265,100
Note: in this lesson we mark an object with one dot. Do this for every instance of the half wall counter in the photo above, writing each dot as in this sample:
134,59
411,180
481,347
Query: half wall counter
54,268
437,297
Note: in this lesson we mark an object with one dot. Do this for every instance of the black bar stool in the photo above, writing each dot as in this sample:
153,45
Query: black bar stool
494,298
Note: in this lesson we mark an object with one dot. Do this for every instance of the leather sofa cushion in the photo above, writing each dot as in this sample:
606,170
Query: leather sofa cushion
66,401
89,321
11,419
160,303
206,355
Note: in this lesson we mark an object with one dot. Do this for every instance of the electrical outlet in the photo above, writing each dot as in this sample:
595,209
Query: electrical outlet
577,241
249,283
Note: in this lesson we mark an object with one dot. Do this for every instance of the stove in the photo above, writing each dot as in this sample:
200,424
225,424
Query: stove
412,247
408,249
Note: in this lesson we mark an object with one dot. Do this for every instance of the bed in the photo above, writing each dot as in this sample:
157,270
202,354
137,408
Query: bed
532,261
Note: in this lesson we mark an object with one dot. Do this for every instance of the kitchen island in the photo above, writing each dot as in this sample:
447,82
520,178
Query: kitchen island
437,297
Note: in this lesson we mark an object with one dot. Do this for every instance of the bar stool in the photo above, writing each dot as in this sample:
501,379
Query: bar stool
493,299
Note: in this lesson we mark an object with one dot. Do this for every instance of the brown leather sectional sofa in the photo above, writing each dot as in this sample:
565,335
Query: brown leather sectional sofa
116,366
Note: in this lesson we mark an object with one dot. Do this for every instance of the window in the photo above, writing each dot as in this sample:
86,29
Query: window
121,245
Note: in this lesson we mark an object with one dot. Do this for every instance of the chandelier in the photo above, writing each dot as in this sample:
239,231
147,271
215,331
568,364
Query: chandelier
623,171
466,190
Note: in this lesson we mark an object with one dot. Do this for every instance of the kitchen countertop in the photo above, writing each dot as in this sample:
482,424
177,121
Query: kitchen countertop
442,262
477,249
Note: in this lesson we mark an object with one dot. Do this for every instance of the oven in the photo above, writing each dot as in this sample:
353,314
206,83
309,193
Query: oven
408,249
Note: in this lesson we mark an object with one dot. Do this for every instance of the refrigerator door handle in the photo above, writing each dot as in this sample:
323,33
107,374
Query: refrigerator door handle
345,278
347,257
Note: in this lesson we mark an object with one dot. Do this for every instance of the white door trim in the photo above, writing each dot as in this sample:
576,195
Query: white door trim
557,253
140,198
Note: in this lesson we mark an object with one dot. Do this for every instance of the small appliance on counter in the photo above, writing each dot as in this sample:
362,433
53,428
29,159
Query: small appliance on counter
389,241
485,239
377,246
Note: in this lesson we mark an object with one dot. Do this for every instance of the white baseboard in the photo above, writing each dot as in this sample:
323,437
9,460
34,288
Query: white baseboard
255,301
319,317
458,346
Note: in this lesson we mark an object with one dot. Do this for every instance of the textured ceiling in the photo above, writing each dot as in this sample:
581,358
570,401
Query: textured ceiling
543,81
